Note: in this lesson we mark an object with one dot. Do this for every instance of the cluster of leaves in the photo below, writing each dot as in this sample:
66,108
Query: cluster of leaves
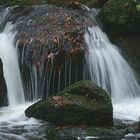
18,2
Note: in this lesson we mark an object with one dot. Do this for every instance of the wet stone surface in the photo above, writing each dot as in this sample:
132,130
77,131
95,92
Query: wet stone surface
47,31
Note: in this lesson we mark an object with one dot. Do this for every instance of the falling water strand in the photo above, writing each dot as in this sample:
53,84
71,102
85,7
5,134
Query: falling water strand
70,72
108,68
8,55
49,80
35,83
76,72
59,79
53,89
43,85
66,62
50,75
84,70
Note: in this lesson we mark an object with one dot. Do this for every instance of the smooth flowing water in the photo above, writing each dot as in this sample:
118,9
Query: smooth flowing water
14,125
8,55
111,71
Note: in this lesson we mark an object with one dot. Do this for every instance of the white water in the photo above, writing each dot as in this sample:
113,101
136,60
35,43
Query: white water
111,71
8,55
128,111
14,125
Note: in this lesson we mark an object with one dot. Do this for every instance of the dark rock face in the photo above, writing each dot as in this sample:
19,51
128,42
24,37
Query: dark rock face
3,89
122,17
81,103
131,46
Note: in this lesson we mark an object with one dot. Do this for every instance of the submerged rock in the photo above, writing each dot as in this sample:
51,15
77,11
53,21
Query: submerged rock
81,103
84,133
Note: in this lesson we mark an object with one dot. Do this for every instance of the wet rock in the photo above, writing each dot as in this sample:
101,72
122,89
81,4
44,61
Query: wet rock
131,48
81,103
83,133
51,44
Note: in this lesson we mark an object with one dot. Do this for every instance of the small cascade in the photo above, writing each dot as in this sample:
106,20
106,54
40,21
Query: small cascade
108,68
44,77
8,55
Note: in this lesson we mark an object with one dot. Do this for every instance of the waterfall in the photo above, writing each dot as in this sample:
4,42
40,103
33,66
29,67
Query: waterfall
108,68
8,55
13,122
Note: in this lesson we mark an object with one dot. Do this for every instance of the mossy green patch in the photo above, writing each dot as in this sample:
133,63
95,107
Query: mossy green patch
118,15
138,7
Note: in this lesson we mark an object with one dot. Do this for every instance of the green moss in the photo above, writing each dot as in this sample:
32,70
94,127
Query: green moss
116,8
86,88
120,15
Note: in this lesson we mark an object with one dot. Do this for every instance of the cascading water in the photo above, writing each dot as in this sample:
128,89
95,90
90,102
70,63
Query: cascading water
108,68
112,72
13,122
8,55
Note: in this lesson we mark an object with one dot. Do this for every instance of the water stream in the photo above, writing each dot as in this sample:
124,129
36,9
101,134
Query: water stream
8,55
111,71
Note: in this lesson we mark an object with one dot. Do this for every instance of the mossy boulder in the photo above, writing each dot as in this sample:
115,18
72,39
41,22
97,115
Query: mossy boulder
81,103
121,16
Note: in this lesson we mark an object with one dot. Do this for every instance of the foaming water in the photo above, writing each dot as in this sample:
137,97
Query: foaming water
111,71
16,126
127,111
8,55
10,116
